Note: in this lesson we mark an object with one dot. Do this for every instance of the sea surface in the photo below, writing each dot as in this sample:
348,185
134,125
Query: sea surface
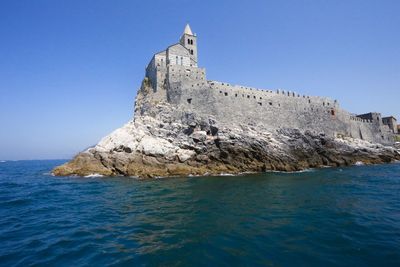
328,217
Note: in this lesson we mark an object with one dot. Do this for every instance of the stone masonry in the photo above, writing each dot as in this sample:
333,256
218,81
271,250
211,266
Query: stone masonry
175,78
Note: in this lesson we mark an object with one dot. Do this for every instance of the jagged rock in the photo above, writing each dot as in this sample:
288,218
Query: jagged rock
199,136
165,141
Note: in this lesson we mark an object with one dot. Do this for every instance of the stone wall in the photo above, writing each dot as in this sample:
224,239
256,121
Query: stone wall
274,109
187,88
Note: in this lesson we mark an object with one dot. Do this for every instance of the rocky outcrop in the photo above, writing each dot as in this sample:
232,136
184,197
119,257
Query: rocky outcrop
164,140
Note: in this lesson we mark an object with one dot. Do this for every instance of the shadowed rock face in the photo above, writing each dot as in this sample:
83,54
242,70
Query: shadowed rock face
164,140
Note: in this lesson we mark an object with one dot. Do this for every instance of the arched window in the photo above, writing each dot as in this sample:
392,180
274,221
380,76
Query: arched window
191,51
191,41
188,41
176,60
181,60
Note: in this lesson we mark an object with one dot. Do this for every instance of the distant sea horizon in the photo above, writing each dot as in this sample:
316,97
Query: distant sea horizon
348,216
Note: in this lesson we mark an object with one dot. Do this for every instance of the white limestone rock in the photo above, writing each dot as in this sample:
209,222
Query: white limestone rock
153,146
165,141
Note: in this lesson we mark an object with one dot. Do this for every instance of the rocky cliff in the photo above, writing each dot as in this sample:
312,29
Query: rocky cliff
166,140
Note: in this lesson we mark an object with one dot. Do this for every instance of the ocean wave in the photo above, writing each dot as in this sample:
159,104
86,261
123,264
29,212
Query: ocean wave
359,163
2,161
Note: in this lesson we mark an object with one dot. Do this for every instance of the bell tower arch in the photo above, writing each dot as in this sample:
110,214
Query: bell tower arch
189,40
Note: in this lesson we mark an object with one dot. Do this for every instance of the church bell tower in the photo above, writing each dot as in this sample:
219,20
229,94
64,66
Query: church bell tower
189,40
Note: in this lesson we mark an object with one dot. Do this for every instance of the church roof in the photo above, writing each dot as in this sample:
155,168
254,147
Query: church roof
188,30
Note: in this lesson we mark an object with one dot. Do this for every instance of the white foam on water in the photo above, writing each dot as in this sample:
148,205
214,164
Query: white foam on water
306,170
359,163
226,174
93,175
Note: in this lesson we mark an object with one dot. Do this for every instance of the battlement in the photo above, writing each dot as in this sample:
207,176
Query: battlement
355,118
259,94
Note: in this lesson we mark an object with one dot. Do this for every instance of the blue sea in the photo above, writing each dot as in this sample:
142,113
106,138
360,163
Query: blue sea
327,217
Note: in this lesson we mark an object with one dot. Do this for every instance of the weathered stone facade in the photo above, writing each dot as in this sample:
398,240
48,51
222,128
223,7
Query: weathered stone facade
176,78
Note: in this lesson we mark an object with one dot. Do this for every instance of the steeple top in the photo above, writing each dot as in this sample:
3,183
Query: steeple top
188,30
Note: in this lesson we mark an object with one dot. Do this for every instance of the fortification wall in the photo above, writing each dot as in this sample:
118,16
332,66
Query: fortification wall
187,88
273,109
276,109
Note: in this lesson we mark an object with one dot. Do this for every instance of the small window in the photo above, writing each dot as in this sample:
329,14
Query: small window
254,97
270,103
235,95
260,103
248,96
188,41
226,94
189,100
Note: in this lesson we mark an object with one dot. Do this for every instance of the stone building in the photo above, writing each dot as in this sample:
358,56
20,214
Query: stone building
175,78
391,122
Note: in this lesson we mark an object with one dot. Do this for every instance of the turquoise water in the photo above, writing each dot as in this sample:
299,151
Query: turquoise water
328,217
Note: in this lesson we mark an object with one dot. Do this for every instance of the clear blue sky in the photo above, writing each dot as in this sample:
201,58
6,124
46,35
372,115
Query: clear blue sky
69,70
